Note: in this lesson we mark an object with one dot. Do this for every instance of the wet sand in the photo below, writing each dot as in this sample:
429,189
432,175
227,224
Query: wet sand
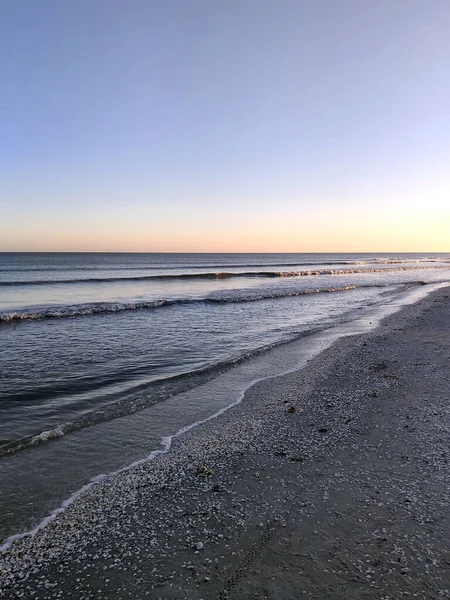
328,483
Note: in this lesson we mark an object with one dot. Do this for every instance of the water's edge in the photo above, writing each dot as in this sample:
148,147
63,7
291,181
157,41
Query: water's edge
329,336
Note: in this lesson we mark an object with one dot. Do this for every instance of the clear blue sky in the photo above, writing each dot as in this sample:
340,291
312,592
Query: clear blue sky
225,125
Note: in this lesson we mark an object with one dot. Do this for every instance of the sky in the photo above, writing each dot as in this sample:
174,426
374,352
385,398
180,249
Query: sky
225,125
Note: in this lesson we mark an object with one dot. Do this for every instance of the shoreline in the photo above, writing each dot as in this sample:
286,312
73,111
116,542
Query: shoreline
136,533
295,355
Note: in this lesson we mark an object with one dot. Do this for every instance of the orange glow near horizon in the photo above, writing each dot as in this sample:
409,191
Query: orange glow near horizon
325,230
418,220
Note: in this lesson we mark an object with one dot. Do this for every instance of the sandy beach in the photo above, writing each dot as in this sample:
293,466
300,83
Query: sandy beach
328,483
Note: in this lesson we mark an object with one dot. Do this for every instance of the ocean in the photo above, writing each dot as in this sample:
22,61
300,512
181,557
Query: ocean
104,357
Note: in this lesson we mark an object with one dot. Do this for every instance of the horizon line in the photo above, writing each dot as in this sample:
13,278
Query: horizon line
223,252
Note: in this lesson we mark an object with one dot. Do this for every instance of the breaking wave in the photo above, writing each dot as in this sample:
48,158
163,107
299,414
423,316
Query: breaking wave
79,310
241,274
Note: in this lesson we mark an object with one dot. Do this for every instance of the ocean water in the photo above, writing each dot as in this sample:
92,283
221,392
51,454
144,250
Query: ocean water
103,356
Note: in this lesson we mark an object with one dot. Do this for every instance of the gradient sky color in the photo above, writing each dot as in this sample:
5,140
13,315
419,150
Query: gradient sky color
227,125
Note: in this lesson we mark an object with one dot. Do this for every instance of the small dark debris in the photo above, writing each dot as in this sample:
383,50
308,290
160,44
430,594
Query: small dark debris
204,471
380,366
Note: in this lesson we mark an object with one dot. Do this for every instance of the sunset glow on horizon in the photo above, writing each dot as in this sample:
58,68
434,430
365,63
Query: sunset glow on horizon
218,127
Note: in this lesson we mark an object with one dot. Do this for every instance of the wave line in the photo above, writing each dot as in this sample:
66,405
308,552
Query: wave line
227,275
80,310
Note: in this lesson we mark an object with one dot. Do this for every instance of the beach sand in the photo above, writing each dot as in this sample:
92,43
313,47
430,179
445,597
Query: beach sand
328,483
